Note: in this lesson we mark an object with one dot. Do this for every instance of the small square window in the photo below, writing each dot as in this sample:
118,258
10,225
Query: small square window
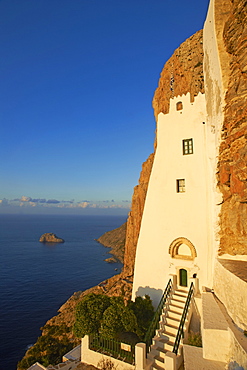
179,105
187,146
181,186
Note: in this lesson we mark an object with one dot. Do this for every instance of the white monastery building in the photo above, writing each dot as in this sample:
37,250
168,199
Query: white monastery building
178,233
177,219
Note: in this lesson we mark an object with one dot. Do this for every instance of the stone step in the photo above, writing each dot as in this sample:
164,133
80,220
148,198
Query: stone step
157,367
148,364
172,322
177,302
162,352
169,346
160,341
176,308
171,336
182,296
179,297
174,314
159,360
171,329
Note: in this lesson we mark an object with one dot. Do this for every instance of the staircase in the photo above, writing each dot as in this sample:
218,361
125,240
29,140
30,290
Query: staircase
169,326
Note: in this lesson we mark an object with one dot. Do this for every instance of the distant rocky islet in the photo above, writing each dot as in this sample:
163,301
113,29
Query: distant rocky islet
50,238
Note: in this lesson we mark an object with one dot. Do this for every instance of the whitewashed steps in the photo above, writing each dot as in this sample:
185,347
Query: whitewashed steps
165,337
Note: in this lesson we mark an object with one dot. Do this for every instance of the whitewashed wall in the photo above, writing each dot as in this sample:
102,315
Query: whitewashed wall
169,215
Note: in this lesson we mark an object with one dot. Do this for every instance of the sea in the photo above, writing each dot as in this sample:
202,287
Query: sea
36,278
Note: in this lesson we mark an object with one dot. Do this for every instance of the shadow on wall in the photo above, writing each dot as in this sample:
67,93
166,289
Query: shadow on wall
233,365
154,294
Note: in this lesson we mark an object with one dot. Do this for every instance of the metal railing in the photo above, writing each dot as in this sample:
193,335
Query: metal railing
113,348
182,321
156,319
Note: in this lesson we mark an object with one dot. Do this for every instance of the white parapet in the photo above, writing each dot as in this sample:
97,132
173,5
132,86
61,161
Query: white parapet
140,356
215,334
91,357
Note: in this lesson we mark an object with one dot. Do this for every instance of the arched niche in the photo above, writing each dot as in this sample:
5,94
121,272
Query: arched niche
182,248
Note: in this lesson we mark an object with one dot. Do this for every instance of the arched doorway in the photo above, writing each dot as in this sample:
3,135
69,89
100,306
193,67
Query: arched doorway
183,279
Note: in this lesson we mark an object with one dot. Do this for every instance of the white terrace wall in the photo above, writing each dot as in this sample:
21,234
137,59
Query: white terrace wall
93,358
232,292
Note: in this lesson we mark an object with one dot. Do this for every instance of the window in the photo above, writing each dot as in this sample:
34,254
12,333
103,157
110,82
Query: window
180,185
187,146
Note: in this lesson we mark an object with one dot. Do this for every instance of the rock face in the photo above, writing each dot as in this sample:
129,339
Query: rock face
232,164
135,216
115,239
181,74
50,238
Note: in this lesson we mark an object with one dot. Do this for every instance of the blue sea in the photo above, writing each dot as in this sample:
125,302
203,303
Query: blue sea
36,278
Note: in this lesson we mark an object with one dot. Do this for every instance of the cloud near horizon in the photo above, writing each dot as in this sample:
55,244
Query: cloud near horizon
26,201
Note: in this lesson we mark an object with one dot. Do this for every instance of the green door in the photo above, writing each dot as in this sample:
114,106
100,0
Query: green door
183,277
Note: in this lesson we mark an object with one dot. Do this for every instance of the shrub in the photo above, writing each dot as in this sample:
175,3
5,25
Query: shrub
117,319
89,314
144,312
195,339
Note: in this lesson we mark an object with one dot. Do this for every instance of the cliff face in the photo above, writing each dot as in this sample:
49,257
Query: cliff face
232,176
182,73
135,216
115,239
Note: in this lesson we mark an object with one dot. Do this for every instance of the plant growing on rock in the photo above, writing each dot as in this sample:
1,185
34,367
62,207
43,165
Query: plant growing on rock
195,339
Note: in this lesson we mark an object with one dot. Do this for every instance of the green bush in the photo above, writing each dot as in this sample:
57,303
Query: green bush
195,339
109,316
89,314
117,319
144,312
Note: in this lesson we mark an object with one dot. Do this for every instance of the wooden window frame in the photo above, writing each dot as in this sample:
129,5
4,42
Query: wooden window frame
187,146
180,185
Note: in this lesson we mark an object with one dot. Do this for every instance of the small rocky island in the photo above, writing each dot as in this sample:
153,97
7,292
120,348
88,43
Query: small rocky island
50,238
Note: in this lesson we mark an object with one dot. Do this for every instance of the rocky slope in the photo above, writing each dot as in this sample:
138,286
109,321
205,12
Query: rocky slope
233,149
115,239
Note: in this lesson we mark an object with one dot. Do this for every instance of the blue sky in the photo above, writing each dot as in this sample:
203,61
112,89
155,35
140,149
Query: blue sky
77,79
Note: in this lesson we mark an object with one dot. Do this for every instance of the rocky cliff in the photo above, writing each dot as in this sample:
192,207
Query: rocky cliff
115,239
135,216
232,175
181,74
